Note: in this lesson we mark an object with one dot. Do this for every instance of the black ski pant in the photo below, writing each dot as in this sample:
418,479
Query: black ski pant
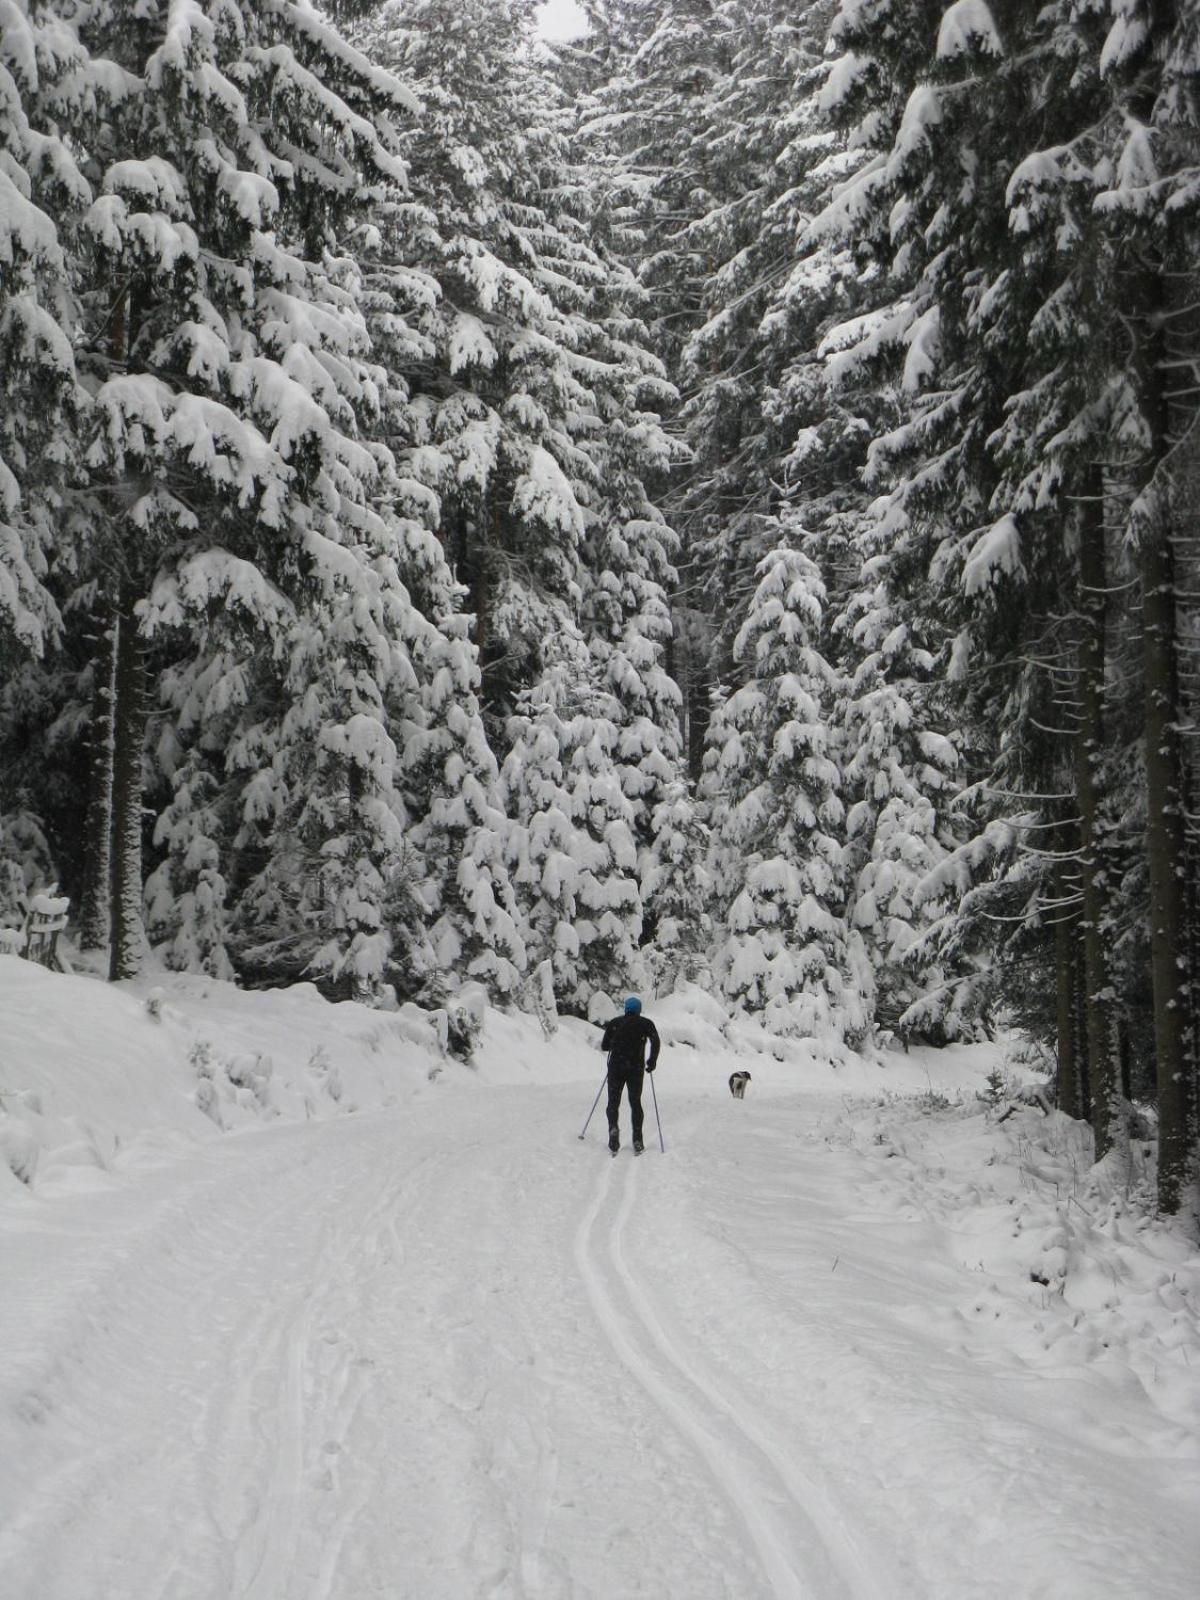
627,1075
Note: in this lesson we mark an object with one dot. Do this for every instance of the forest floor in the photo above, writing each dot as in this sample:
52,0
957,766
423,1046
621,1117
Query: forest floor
378,1324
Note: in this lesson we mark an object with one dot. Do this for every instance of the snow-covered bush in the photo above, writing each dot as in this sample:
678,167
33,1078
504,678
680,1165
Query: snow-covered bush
25,862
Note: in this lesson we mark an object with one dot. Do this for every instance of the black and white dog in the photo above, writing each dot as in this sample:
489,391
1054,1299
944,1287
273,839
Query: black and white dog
737,1084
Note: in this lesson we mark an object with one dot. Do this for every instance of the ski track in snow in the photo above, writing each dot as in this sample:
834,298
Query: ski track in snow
445,1352
783,1515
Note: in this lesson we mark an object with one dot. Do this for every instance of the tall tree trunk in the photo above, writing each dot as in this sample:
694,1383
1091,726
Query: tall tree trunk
96,916
1105,1078
128,946
1166,849
1085,1075
1069,1094
1166,844
127,943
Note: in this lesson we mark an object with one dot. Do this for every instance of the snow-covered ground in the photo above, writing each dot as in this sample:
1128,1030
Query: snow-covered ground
294,1308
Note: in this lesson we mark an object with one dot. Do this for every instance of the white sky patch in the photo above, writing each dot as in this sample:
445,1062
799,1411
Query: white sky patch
561,19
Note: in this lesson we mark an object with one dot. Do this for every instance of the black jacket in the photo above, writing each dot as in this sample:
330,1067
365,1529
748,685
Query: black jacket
626,1037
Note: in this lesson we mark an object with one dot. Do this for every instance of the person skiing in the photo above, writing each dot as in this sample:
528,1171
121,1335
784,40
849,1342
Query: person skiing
625,1038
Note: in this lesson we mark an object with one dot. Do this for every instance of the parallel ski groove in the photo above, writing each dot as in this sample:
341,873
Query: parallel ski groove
781,1512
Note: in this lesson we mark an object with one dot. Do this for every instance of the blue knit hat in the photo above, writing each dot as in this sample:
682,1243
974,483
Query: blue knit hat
633,1003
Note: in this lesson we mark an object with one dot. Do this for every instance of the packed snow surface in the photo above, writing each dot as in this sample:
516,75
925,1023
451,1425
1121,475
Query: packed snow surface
295,1307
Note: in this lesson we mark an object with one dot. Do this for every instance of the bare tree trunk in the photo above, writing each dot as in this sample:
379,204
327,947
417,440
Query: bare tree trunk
127,943
1069,1087
128,946
1085,1075
1103,1060
1166,844
1166,849
1187,557
96,915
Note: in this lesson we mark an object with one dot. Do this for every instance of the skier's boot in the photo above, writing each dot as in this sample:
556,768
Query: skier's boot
614,1140
638,1147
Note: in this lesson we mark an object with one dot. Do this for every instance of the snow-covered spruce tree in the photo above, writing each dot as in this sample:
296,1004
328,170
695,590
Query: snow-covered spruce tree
627,571
39,394
535,403
40,406
339,891
1064,423
232,480
773,785
625,607
643,78
656,69
938,201
1150,62
475,928
25,865
762,144
930,203
187,895
494,280
899,777
677,893
572,850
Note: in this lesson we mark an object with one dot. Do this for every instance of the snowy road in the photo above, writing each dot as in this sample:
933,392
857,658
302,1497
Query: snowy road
446,1352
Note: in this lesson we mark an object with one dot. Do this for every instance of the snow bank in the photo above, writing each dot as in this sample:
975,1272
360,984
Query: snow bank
96,1079
1072,1272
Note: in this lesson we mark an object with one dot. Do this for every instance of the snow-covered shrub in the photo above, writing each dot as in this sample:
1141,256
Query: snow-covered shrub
325,1073
539,997
996,1088
25,862
253,1074
18,1148
208,1101
465,1012
202,1057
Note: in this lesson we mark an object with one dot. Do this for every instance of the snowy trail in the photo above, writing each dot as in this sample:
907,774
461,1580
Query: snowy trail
212,1384
445,1352
790,1523
339,1360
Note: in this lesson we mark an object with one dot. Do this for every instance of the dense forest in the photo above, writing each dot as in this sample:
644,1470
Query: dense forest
715,501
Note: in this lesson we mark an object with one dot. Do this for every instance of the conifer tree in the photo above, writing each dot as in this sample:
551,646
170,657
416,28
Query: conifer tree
1150,59
494,280
42,403
1034,435
232,481
573,851
476,930
39,391
778,820
899,780
677,893
534,397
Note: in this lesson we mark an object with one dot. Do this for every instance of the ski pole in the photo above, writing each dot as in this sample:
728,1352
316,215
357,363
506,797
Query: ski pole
657,1118
595,1103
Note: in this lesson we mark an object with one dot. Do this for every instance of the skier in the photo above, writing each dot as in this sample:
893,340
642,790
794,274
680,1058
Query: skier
625,1038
